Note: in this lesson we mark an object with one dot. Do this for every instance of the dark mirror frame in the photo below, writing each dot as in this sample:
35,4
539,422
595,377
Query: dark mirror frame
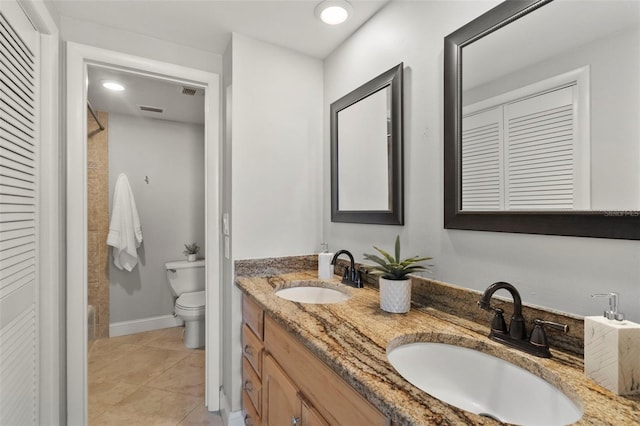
395,216
601,224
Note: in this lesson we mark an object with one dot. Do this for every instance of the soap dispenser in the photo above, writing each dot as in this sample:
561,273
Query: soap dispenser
325,268
611,347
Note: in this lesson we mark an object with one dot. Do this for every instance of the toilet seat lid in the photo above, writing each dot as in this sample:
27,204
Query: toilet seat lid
195,300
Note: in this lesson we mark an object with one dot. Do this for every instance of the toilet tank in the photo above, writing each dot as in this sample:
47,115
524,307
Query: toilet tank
185,277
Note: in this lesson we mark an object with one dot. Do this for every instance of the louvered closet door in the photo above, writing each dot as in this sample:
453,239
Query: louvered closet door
540,145
482,171
19,378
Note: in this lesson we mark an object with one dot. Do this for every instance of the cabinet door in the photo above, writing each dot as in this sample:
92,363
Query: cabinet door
311,417
281,404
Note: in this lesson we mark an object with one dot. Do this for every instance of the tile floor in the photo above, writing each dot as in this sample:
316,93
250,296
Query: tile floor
149,379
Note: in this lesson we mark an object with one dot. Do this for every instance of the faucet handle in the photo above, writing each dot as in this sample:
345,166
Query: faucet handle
498,323
538,335
358,278
346,274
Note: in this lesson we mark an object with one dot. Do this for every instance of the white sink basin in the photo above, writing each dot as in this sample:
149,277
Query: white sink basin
483,384
317,292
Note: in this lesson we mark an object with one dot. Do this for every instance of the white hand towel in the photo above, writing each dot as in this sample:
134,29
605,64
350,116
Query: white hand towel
125,234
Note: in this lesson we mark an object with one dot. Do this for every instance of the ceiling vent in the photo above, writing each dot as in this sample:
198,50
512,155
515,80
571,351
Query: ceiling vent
191,91
147,108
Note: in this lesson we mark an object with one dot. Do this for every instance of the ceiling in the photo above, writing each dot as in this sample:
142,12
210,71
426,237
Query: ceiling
146,92
206,25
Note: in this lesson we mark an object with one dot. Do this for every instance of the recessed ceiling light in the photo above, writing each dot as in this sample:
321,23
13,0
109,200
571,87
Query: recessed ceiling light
334,12
112,85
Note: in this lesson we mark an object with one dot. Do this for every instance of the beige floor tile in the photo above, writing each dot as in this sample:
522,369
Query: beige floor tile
159,403
107,347
199,416
147,379
104,395
95,416
137,367
138,338
110,393
127,418
172,339
187,377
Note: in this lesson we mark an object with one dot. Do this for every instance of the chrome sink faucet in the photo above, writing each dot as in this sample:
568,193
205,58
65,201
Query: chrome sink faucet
516,334
351,276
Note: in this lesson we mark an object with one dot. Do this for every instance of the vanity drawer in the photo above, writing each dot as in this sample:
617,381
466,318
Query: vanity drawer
252,349
253,316
251,385
249,413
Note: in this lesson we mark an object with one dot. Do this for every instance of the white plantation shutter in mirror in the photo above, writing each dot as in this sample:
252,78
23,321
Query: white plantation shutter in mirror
482,180
523,150
18,220
540,151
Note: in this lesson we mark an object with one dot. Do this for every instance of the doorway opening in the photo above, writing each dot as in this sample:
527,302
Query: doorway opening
81,60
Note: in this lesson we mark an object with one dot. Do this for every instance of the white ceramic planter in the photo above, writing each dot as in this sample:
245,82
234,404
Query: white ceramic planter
192,257
395,295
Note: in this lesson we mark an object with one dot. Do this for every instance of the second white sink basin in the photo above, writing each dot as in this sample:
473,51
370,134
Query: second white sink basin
317,292
483,384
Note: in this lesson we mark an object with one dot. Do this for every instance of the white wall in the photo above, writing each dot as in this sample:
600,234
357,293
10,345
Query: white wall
170,206
550,271
276,183
112,38
277,128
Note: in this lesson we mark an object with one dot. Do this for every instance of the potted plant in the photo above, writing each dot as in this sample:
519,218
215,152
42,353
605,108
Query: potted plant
191,251
395,285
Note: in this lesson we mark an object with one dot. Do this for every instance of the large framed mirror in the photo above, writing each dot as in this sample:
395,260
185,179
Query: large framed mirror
542,120
366,152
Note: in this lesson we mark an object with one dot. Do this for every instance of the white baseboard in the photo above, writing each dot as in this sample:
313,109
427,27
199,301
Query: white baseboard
229,418
145,324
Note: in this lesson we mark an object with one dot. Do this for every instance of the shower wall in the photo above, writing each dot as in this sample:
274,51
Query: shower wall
98,222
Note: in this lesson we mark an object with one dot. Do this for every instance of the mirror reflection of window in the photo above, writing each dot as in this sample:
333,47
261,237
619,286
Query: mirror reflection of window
363,154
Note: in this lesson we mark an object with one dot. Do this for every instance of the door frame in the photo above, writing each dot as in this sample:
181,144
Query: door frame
78,58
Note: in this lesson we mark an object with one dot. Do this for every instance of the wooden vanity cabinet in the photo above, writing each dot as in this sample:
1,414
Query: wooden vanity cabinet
293,385
334,401
284,404
252,355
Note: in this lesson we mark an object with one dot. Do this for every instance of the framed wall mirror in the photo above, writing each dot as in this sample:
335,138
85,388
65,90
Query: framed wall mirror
542,122
366,152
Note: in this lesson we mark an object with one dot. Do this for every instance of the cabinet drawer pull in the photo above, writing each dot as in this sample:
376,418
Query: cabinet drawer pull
295,420
248,421
248,386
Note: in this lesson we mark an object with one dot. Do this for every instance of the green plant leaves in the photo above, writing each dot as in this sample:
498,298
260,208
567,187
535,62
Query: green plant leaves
393,268
192,248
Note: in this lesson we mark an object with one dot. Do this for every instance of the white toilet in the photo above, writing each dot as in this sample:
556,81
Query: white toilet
186,281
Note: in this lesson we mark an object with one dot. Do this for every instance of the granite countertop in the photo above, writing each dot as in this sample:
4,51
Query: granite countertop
352,338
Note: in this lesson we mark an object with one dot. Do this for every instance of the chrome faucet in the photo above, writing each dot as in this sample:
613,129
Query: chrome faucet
516,334
350,276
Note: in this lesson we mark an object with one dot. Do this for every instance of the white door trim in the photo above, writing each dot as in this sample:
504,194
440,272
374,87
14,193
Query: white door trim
77,59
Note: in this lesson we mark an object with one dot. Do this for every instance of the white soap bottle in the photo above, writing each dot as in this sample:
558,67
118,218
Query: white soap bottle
611,346
325,268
